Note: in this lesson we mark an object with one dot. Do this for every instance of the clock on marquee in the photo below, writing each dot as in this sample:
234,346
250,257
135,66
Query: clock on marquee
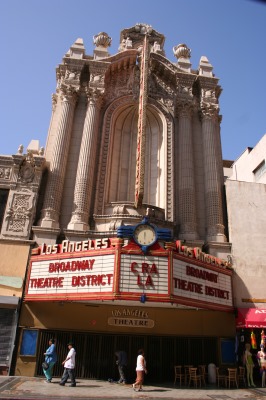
145,235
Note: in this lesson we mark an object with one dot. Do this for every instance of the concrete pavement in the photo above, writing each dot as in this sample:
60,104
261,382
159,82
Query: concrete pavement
25,388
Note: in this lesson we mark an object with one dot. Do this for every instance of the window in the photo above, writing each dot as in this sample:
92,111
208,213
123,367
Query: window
259,171
29,342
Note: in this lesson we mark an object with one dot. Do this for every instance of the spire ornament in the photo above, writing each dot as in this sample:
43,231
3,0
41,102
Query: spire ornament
183,54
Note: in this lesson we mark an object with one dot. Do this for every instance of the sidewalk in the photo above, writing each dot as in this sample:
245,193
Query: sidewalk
12,387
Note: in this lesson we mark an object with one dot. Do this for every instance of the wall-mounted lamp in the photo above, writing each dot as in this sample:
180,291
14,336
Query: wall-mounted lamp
143,298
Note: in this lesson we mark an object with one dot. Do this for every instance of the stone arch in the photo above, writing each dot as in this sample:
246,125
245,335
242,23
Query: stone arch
116,180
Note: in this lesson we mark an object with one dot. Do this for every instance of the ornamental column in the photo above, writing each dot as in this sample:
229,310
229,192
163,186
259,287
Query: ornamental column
187,196
53,195
86,165
213,177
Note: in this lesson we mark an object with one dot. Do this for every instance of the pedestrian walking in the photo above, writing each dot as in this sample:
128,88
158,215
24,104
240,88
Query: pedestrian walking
69,367
140,370
50,360
121,361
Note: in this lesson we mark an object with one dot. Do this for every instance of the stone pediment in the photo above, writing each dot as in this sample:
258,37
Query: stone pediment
136,33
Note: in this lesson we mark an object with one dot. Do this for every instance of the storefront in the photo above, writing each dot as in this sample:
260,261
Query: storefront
106,294
8,325
13,261
251,327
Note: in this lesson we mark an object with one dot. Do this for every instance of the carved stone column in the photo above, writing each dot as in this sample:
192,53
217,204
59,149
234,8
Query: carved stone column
86,164
213,183
53,195
187,197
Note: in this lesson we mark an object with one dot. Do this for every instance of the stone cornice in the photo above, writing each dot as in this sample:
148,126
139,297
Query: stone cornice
162,67
207,82
6,160
184,78
17,241
124,55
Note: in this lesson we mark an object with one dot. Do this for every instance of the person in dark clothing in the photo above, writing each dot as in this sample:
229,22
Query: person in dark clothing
121,361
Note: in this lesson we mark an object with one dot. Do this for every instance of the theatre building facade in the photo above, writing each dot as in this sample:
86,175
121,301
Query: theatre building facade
131,247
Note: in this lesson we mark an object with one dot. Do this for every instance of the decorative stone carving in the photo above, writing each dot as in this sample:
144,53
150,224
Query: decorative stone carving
183,54
124,83
77,50
5,173
182,51
184,109
209,110
128,43
114,224
122,45
72,75
205,67
41,151
20,149
97,75
68,74
68,93
27,169
162,92
136,35
19,212
54,101
102,40
119,209
94,96
143,28
156,48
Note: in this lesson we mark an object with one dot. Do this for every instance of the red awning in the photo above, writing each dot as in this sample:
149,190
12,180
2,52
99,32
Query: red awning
251,318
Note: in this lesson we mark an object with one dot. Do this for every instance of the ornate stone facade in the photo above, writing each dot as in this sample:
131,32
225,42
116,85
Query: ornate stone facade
130,132
20,175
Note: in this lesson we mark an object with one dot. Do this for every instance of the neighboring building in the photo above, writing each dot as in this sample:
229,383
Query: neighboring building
246,205
251,165
20,176
227,168
134,167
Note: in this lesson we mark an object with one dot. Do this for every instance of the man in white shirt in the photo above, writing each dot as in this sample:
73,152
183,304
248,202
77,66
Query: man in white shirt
69,364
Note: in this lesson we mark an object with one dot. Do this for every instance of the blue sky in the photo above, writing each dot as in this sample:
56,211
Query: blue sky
36,34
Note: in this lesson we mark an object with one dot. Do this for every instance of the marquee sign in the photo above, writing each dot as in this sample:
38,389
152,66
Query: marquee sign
202,285
66,278
143,274
104,269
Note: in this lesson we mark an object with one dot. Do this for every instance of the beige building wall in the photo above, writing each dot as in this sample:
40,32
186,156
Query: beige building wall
246,205
13,262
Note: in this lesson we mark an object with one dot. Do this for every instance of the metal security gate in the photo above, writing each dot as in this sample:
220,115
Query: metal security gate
96,360
8,323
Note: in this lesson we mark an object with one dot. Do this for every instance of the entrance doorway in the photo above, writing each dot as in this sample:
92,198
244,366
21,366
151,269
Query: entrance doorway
96,360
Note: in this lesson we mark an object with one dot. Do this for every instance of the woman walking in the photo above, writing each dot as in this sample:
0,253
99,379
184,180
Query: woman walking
50,358
140,370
